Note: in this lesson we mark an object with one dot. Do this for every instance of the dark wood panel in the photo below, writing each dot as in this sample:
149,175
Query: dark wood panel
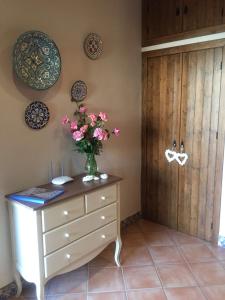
164,21
201,69
199,14
161,18
184,35
161,106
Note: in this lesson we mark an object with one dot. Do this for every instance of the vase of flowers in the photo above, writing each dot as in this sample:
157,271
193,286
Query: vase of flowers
88,133
91,164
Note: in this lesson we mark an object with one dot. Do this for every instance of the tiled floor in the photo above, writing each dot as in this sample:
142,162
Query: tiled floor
157,264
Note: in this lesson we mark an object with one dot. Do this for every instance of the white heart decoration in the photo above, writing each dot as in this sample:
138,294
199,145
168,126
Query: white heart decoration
181,158
170,155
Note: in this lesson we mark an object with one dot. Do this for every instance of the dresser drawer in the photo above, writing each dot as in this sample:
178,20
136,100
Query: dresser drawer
72,231
100,198
62,213
78,249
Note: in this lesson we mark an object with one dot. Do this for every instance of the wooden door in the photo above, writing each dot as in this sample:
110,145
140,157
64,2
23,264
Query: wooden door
201,87
161,118
199,14
160,18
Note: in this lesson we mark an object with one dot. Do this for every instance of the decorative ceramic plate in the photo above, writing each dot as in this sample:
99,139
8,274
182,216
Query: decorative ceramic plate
79,91
36,60
36,115
93,45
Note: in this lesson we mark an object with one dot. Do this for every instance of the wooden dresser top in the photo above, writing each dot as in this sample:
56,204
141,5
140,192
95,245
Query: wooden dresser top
71,189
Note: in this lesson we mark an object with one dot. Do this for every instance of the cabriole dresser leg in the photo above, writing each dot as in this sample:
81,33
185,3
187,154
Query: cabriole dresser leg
18,283
40,291
117,251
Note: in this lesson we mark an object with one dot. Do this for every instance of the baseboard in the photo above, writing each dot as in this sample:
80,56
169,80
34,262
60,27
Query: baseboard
131,220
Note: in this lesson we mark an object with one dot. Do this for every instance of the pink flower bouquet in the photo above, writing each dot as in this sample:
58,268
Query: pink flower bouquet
88,132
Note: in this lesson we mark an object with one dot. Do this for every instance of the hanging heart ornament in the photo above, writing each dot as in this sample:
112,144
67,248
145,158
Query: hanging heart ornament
170,155
181,158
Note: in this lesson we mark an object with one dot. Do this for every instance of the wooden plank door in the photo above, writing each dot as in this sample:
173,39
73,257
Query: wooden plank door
201,85
199,14
160,18
161,112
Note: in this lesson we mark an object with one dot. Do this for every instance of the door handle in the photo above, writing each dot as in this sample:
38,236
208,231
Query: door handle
185,10
182,147
174,144
177,11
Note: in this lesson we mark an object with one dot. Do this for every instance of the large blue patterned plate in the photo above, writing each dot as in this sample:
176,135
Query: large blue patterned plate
36,60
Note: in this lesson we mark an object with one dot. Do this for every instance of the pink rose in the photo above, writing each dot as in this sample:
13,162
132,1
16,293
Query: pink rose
73,125
100,134
103,116
82,109
106,136
77,135
93,124
84,128
92,117
65,120
116,131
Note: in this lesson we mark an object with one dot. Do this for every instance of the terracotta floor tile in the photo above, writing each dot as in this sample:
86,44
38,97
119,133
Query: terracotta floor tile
107,296
158,239
105,280
214,292
152,294
182,238
73,282
68,297
140,277
145,242
165,254
218,252
197,253
148,226
133,239
188,293
210,273
104,259
176,276
222,262
133,256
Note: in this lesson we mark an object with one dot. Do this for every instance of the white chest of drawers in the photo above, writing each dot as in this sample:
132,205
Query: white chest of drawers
66,233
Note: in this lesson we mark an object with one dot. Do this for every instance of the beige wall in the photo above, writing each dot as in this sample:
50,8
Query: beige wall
114,86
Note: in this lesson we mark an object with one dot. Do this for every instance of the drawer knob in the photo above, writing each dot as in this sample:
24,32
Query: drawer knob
68,256
103,197
103,217
67,235
65,212
103,236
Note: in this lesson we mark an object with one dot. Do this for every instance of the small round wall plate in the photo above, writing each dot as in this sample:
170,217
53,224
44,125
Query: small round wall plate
36,60
79,91
93,46
36,115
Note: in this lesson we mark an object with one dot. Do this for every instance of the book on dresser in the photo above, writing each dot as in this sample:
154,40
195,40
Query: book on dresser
36,195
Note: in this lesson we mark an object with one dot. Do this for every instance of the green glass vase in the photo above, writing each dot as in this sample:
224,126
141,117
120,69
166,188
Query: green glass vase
91,165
